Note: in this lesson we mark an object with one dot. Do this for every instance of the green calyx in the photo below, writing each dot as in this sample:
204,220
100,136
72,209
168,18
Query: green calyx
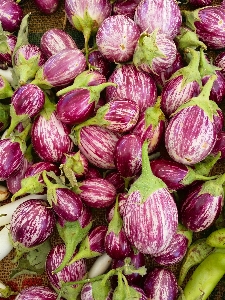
153,115
7,292
40,80
4,47
147,183
116,224
4,116
188,39
214,187
100,291
205,166
15,120
181,229
192,176
190,73
205,67
5,90
147,49
48,108
22,137
191,17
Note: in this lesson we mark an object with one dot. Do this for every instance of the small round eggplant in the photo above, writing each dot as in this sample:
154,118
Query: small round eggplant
125,7
37,292
47,7
11,15
6,55
97,60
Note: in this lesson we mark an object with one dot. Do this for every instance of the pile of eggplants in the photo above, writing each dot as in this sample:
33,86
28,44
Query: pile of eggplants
128,127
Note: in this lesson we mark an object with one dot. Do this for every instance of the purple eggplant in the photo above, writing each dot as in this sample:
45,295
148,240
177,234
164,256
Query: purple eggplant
219,145
32,223
37,292
161,284
97,144
73,272
60,69
26,102
162,15
203,205
47,7
200,3
55,40
98,61
87,16
117,45
11,15
122,198
93,244
127,155
154,52
177,248
116,179
79,230
9,41
182,86
125,7
193,142
50,138
4,116
95,290
27,61
93,172
151,125
96,192
220,62
116,115
6,90
133,85
150,217
207,23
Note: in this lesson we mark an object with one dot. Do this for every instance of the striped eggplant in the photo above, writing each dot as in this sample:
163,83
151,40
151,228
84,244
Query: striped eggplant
220,62
177,248
37,292
182,85
5,90
73,272
207,23
32,223
95,290
93,244
161,284
127,155
65,203
151,125
96,192
200,3
47,7
93,172
203,205
9,42
117,37
193,142
116,115
27,61
4,116
133,85
164,15
50,138
60,69
97,144
150,216
154,52
78,105
125,7
11,15
142,295
100,63
54,40
219,146
26,102
78,230
116,179
177,175
122,198
87,16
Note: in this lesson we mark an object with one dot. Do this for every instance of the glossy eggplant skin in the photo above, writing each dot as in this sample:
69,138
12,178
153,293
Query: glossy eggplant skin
11,15
37,292
47,6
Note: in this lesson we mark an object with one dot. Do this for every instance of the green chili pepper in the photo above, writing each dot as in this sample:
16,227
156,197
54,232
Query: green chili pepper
217,238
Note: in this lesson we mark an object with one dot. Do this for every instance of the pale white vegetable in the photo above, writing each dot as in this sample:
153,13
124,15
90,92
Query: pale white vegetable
4,193
99,267
7,74
6,245
7,210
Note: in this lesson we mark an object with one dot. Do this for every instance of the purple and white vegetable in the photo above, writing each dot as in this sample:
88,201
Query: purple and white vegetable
122,198
200,3
99,62
164,15
47,6
117,37
95,290
11,15
6,53
220,62
37,292
96,192
116,179
161,284
219,145
125,7
134,85
60,69
98,144
150,217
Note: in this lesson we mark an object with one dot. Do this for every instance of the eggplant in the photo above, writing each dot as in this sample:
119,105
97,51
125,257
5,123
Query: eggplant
150,216
93,172
116,179
162,15
47,7
95,290
9,41
100,63
219,146
97,144
11,15
54,40
133,85
73,272
161,284
60,69
96,192
37,292
117,45
125,7
200,3
220,62
122,198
